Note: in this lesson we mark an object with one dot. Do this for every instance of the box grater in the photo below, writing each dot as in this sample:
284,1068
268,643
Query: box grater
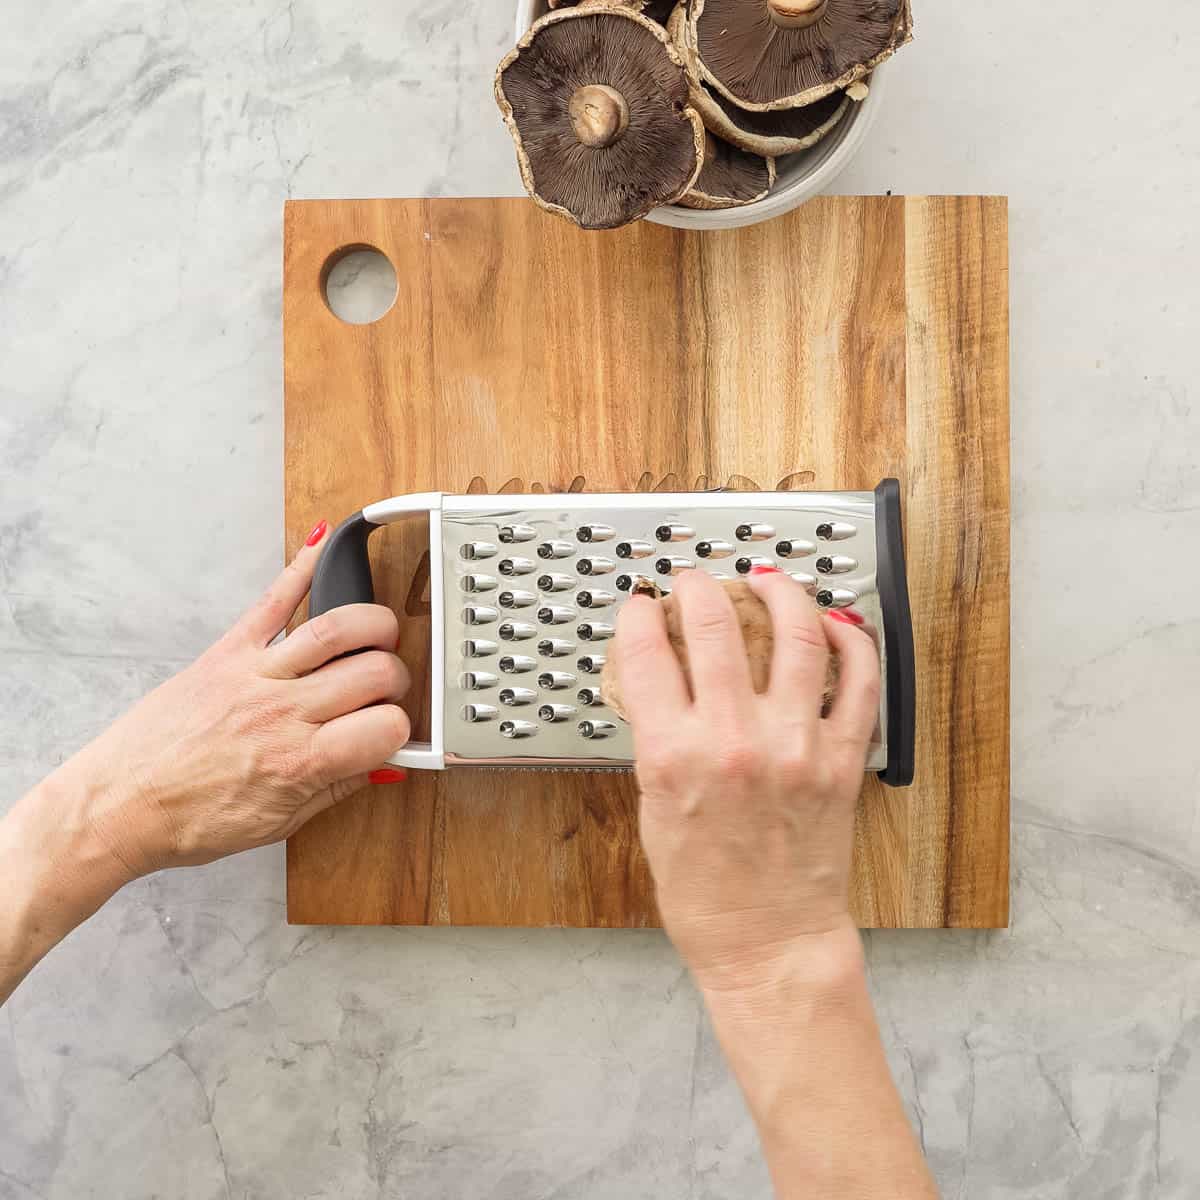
525,591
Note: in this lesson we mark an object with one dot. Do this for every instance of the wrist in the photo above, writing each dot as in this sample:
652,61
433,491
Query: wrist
66,835
808,972
57,872
811,961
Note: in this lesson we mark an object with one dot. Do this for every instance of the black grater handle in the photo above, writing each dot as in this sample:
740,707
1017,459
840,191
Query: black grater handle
892,581
343,574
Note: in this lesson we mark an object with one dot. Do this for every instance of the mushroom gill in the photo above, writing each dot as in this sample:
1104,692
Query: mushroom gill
596,100
769,54
729,177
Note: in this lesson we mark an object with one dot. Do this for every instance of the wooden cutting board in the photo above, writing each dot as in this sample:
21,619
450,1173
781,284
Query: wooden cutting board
853,339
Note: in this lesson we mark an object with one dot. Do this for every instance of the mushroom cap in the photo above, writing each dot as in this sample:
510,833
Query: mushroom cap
617,174
762,64
730,177
757,633
773,133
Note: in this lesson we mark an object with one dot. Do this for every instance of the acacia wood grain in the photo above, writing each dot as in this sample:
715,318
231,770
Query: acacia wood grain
852,339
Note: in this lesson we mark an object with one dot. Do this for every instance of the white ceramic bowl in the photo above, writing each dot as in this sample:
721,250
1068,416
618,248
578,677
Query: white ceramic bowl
801,176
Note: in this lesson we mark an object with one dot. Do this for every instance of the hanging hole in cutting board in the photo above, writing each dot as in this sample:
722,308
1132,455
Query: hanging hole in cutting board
359,284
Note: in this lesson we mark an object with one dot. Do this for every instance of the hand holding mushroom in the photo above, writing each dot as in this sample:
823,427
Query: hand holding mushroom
619,106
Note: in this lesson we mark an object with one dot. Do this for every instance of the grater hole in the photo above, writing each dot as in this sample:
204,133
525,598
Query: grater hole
478,712
517,729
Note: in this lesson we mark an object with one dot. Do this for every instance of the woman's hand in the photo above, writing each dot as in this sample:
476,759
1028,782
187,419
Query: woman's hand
748,819
237,751
748,801
253,739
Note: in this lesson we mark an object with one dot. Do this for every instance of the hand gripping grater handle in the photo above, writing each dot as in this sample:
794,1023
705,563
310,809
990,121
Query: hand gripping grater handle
343,576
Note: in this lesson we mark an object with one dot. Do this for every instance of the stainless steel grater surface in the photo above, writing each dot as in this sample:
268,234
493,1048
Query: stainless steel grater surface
528,589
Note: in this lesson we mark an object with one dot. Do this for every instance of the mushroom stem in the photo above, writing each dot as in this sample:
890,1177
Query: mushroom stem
796,14
599,115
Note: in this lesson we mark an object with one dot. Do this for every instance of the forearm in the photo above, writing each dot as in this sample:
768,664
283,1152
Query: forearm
804,1045
57,867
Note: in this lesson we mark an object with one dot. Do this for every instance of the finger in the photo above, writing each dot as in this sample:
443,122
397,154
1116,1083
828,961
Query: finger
359,742
268,617
716,650
334,633
855,710
327,797
800,658
648,672
352,683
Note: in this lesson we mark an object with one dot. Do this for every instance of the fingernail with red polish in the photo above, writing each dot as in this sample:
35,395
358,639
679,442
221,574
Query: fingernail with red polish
846,615
318,532
388,775
765,571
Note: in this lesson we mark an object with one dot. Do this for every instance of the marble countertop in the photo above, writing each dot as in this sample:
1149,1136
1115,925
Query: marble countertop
187,1043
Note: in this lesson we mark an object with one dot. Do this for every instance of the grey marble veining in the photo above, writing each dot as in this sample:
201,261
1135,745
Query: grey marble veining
186,1043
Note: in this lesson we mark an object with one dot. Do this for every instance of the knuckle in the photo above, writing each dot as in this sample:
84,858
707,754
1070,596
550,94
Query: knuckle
635,644
381,671
664,765
797,766
328,630
804,640
848,746
291,574
710,623
307,767
389,623
736,760
401,727
872,693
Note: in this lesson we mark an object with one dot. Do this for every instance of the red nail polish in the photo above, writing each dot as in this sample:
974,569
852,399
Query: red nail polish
846,615
318,532
388,775
765,571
